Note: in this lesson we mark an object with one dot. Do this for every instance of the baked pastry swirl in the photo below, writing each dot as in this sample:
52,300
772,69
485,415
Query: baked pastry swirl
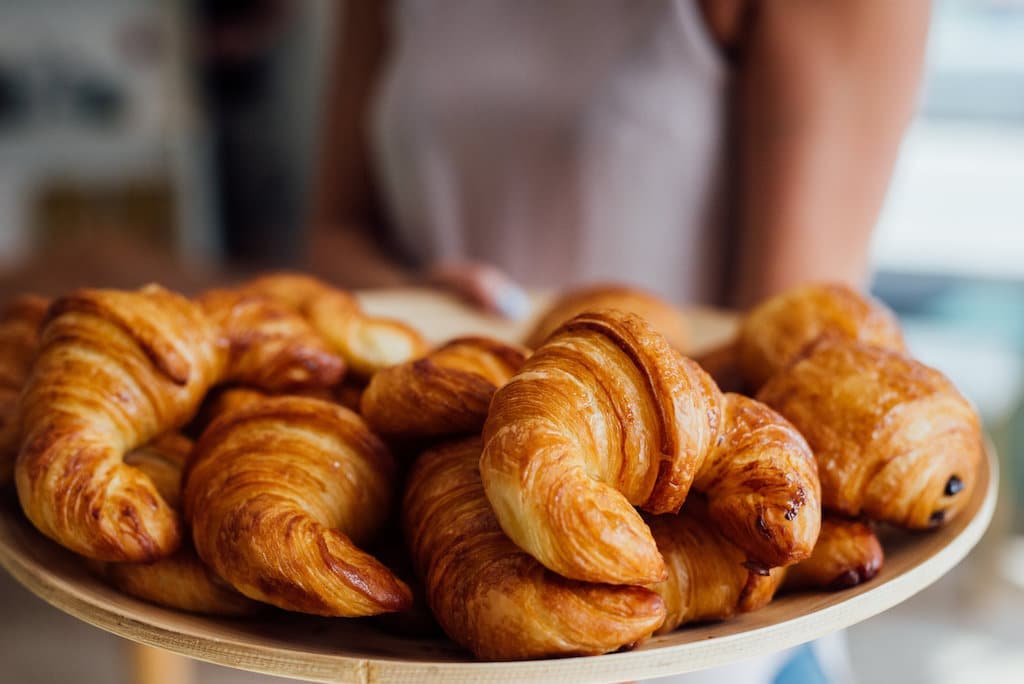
114,370
366,343
605,417
280,492
446,392
666,319
19,339
271,346
491,597
894,439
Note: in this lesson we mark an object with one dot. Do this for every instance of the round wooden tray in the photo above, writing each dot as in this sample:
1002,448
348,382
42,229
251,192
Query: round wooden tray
332,650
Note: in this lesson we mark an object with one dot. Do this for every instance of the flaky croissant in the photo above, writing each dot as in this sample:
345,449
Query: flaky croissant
19,339
367,343
271,346
665,318
446,392
606,416
894,439
777,330
491,597
114,370
848,553
708,578
279,493
181,580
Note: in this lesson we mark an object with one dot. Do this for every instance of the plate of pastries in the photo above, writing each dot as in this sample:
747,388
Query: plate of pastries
286,477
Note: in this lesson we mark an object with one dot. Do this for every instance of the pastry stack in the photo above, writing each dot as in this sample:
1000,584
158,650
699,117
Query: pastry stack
274,445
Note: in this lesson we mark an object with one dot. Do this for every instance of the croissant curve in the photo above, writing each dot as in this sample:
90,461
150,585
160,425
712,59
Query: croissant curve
490,596
446,392
606,416
280,492
180,581
114,370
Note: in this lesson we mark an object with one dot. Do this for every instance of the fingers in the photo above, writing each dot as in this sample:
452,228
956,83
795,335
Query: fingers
482,285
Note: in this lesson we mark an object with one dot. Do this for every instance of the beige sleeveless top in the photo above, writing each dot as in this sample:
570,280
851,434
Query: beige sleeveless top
565,142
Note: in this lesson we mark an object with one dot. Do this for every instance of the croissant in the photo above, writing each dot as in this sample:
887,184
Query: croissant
707,575
180,581
777,330
279,492
446,392
722,364
606,416
114,370
848,553
894,439
665,318
271,346
488,595
19,339
367,343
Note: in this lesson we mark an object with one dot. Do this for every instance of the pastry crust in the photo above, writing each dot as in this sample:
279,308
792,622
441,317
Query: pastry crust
19,340
280,492
271,346
665,318
367,343
894,439
114,370
180,581
775,332
491,597
446,392
848,553
708,578
606,416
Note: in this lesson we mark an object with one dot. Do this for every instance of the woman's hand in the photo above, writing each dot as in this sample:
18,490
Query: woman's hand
482,285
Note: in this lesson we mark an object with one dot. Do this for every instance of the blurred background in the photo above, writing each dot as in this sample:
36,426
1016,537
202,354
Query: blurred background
175,141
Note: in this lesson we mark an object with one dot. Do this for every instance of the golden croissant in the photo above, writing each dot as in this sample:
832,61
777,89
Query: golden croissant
181,580
848,553
778,329
491,597
446,392
605,417
114,370
19,339
894,439
279,493
271,346
708,578
366,343
666,319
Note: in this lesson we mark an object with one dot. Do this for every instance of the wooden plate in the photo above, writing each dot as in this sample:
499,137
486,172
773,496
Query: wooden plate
326,650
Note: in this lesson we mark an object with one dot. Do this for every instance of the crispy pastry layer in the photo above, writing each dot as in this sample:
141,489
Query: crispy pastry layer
280,492
272,347
180,581
894,439
665,318
708,578
114,370
19,339
848,553
446,392
775,332
491,597
606,416
367,343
